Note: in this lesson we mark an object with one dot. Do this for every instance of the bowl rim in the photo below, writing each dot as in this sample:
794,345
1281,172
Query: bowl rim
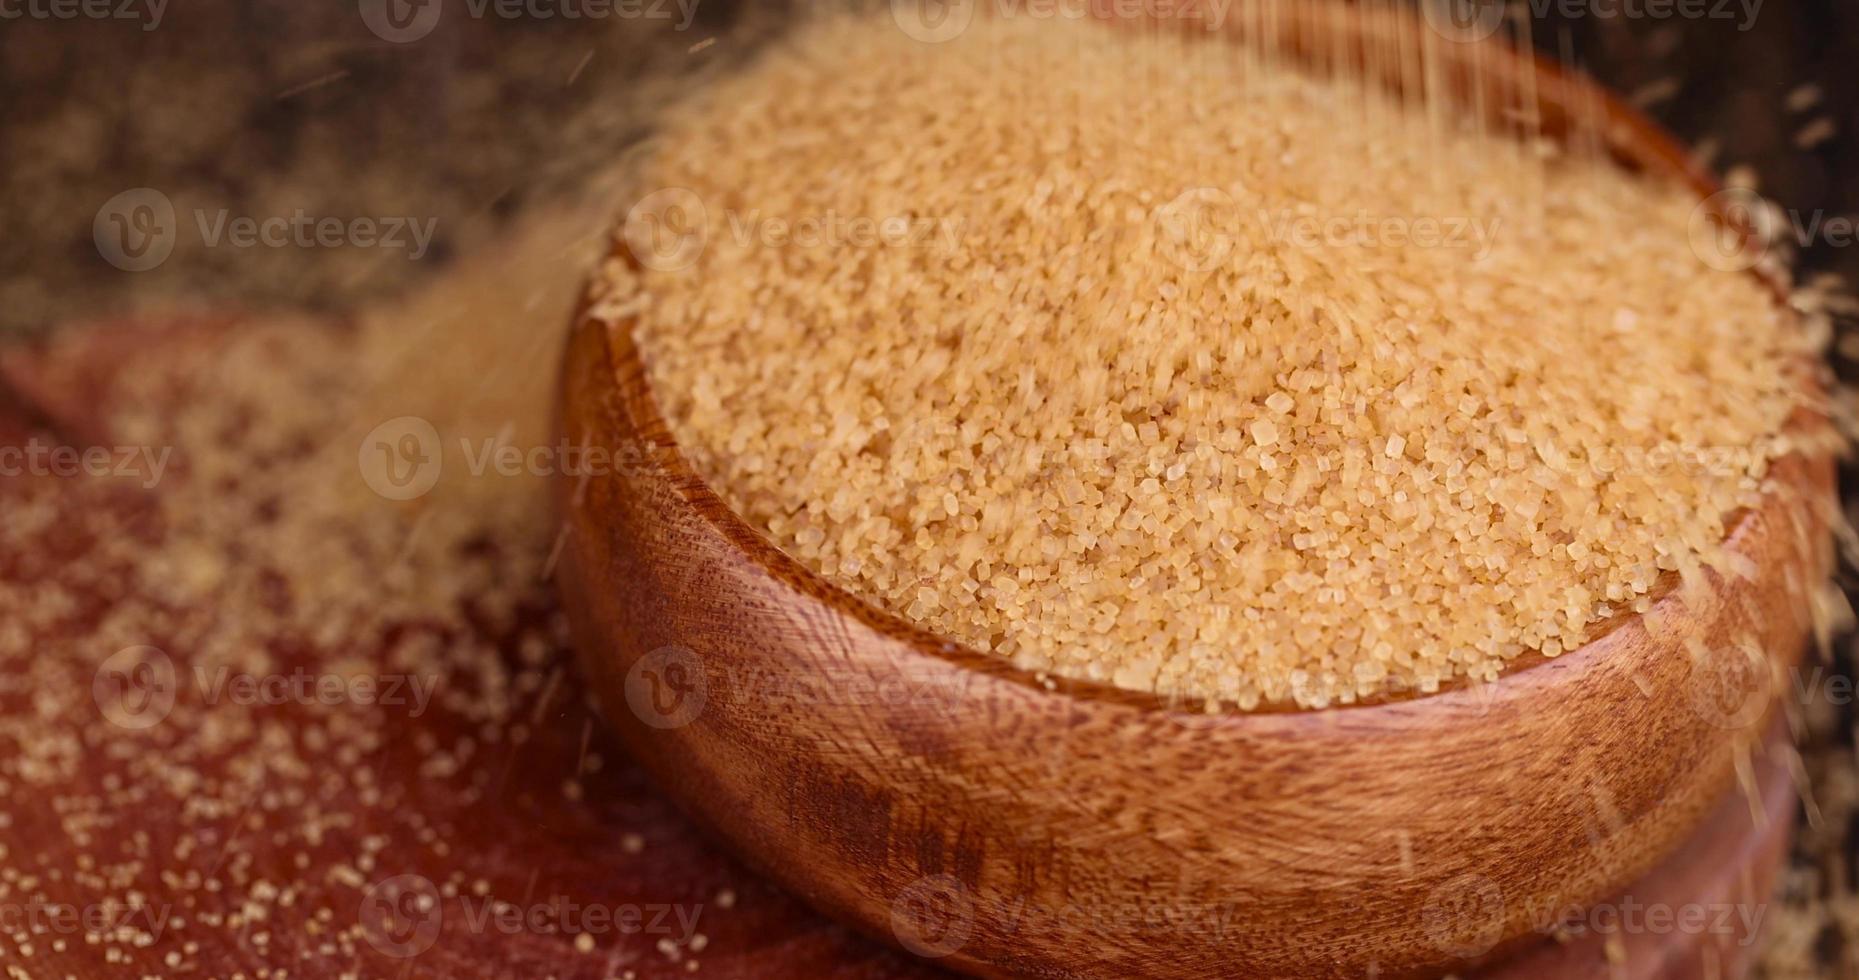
1632,140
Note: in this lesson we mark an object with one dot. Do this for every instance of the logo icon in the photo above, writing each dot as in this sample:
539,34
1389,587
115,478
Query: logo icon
400,21
401,459
135,231
666,688
1731,688
933,21
1188,231
400,916
667,229
1465,916
1463,20
135,687
933,916
1726,230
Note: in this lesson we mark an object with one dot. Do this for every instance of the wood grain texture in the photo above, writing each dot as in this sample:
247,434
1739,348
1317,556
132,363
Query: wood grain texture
946,801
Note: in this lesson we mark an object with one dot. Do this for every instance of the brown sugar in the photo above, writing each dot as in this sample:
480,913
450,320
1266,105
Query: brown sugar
1157,362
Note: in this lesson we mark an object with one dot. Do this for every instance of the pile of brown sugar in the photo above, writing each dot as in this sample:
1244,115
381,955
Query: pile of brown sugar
1162,363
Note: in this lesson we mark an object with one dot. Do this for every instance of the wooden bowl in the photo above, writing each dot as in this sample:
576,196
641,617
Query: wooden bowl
1013,825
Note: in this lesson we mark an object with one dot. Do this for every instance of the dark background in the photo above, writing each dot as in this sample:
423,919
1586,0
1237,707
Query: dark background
263,106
